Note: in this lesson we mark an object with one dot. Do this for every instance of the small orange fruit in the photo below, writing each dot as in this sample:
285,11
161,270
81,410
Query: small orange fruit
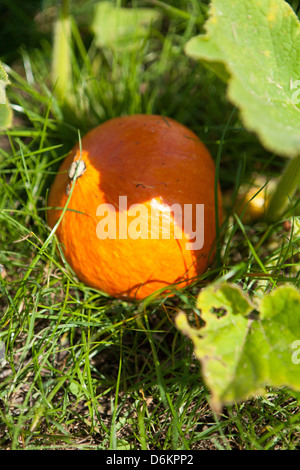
140,206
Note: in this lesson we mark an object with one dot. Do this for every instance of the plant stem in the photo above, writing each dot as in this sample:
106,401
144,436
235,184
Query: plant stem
176,12
61,60
286,188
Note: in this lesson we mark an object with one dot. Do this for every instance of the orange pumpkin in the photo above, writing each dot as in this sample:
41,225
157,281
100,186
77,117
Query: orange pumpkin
135,192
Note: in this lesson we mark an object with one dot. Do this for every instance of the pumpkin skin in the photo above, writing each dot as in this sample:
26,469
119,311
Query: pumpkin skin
153,161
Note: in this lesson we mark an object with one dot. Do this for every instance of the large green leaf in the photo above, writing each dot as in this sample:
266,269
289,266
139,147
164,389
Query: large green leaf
243,348
121,28
255,46
5,109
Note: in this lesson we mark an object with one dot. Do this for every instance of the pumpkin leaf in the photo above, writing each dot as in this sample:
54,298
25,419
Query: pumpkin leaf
255,47
247,347
121,28
5,109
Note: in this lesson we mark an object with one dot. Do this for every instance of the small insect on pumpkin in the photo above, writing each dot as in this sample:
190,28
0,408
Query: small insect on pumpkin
76,170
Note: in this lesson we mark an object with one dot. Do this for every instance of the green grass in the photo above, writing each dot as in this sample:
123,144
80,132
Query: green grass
86,371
